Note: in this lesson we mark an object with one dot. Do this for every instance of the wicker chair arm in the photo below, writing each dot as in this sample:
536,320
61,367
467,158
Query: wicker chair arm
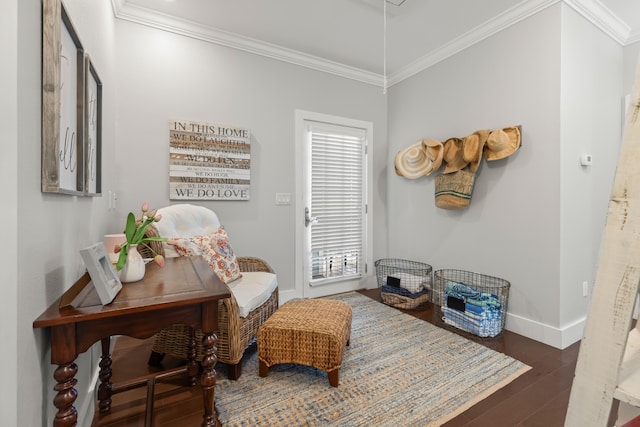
253,264
151,249
231,344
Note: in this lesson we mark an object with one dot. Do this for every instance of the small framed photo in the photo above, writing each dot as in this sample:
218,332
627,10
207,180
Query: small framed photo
103,275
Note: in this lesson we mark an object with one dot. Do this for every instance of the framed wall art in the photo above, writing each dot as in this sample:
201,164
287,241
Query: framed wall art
93,130
63,71
209,161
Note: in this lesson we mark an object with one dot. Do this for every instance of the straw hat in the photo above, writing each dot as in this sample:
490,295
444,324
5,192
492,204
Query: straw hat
472,148
435,153
453,156
419,159
502,143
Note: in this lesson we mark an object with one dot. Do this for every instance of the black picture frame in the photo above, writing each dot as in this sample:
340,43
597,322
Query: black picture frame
92,130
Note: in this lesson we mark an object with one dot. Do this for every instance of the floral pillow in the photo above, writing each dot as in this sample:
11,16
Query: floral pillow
215,249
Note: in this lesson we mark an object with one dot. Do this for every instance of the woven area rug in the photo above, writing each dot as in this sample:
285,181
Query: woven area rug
397,371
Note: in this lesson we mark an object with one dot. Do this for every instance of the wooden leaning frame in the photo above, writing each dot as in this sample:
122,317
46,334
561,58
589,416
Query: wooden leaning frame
608,368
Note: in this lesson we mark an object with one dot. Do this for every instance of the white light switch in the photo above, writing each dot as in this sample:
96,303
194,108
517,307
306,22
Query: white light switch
111,201
283,198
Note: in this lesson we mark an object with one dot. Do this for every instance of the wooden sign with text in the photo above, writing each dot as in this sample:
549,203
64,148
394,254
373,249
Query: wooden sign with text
208,162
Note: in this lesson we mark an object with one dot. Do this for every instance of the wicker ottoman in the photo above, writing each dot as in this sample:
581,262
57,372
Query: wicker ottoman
312,332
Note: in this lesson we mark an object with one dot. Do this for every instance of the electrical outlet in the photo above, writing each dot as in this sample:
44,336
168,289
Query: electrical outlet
585,289
283,198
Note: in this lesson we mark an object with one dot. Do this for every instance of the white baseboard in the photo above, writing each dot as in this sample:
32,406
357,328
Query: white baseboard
284,296
556,337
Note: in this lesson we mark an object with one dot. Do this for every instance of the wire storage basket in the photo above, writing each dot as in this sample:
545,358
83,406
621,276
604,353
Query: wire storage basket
404,283
473,302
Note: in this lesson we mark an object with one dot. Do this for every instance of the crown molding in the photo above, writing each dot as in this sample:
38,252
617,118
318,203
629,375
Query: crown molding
150,18
592,10
603,18
468,39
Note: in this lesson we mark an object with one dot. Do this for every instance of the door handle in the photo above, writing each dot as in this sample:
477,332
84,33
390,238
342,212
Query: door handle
309,219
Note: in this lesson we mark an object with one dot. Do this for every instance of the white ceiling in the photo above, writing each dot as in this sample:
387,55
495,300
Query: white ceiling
347,37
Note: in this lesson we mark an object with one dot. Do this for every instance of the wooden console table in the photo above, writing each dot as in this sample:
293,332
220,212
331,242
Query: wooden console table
186,290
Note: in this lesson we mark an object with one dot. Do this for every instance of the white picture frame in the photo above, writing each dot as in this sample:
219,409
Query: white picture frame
103,275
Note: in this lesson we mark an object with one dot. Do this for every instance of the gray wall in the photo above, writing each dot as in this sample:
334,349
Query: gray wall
511,230
163,76
52,228
149,77
518,227
631,63
9,207
591,117
536,217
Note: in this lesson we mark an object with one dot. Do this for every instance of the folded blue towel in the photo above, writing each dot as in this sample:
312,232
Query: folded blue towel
472,329
401,291
487,316
481,312
471,323
482,332
471,296
460,317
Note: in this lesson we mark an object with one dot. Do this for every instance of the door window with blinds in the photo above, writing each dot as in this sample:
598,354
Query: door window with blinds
335,202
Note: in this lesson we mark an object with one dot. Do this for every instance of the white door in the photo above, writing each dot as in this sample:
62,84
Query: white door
333,226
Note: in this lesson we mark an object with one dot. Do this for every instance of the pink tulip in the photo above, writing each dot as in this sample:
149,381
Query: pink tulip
152,213
116,249
172,242
159,259
145,206
157,218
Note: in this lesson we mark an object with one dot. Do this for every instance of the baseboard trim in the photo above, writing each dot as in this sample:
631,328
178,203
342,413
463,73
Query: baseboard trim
285,296
556,337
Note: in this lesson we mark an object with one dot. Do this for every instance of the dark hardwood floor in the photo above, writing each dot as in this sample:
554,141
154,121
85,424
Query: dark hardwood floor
537,398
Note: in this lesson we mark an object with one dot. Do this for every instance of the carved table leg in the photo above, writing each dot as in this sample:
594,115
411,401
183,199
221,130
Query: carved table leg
192,365
67,416
105,388
209,376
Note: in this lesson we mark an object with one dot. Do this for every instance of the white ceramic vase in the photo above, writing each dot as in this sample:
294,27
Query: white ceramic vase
134,268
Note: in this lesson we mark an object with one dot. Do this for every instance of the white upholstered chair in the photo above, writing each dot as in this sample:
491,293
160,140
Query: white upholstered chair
254,300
